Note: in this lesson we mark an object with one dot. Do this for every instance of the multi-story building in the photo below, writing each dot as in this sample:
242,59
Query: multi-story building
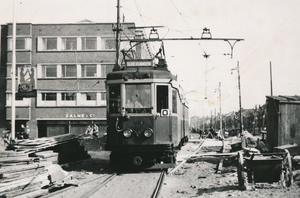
61,71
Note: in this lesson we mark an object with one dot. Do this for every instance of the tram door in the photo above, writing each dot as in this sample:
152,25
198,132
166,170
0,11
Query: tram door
163,132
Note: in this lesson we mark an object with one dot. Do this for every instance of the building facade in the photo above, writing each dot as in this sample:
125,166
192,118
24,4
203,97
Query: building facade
60,76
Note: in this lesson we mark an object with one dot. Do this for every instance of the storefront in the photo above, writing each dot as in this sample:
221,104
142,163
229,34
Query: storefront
58,121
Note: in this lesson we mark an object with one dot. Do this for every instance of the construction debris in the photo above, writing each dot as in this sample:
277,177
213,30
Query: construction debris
30,168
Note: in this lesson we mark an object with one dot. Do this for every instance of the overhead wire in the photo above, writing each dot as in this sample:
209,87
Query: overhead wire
206,56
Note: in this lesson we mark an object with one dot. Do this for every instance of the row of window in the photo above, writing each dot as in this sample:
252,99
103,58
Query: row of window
63,99
137,98
66,70
75,43
65,43
72,70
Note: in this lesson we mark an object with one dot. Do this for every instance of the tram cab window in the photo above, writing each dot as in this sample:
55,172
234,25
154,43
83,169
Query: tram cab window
138,98
162,98
114,99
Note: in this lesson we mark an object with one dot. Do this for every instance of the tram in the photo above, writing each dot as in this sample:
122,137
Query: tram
147,115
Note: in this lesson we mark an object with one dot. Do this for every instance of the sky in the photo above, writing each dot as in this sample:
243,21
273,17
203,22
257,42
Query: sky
270,29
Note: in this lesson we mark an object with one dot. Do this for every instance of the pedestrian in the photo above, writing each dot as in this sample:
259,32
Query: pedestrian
95,130
22,134
89,130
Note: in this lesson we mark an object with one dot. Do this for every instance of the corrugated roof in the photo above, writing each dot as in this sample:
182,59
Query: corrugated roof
285,98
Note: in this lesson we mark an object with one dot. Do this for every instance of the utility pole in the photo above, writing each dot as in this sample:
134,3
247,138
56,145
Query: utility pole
221,133
117,29
203,117
240,100
13,76
271,84
219,89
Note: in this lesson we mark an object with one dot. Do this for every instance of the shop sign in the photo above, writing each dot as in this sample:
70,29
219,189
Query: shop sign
79,115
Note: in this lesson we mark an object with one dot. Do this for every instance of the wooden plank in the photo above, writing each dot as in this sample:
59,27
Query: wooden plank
21,183
21,174
16,159
214,154
37,193
18,192
18,168
46,155
4,154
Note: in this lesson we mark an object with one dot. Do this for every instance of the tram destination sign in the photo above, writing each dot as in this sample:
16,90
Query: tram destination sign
139,63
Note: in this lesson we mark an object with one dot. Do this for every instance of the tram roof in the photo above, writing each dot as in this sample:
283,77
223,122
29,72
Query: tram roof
141,73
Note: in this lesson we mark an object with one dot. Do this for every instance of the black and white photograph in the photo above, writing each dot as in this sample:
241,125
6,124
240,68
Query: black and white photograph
139,98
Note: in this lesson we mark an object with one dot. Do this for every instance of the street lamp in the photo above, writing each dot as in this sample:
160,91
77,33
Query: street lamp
240,102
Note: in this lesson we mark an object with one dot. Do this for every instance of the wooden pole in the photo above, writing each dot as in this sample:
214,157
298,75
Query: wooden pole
271,83
13,77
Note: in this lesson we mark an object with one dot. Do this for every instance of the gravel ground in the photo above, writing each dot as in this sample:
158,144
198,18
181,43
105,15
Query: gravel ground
196,178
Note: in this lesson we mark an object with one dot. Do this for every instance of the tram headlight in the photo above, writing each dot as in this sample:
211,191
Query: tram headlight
148,132
127,133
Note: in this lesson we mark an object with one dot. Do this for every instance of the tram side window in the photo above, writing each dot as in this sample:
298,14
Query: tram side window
114,99
162,98
174,101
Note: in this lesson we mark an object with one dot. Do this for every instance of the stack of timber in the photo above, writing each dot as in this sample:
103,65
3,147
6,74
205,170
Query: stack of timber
31,166
58,149
20,174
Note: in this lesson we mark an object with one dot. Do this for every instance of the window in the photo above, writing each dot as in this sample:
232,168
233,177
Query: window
103,71
68,96
49,43
114,99
162,98
108,43
19,101
69,43
22,43
69,71
49,71
138,98
48,96
103,96
89,70
91,96
89,43
68,99
174,101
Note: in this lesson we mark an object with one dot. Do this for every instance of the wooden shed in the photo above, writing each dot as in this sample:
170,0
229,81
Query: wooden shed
283,120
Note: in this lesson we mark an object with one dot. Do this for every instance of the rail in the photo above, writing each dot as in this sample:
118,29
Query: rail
104,182
184,161
158,185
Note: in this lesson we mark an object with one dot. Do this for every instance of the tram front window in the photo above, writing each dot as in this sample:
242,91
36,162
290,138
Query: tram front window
138,98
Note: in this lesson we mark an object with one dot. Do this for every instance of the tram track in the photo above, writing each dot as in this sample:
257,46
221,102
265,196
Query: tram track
148,184
171,171
158,185
104,182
